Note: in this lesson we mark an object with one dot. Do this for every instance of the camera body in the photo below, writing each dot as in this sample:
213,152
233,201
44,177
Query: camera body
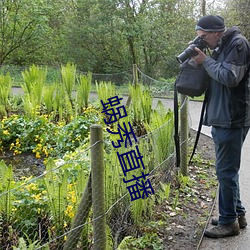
190,51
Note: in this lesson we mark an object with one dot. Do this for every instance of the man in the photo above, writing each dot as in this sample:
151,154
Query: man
228,112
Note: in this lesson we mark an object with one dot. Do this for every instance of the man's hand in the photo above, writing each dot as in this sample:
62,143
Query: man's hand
200,58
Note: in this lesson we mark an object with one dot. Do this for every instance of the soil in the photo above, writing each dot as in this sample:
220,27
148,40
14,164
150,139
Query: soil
25,164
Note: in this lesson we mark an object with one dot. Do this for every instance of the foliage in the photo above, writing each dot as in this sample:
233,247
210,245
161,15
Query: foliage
30,204
5,90
6,184
161,126
106,36
236,13
51,200
34,81
141,103
23,28
147,241
105,90
68,74
83,91
22,245
43,137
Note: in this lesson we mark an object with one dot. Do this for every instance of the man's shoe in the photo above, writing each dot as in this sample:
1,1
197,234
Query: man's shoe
241,219
221,231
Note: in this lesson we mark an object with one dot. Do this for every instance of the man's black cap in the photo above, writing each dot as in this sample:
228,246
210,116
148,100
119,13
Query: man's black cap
210,23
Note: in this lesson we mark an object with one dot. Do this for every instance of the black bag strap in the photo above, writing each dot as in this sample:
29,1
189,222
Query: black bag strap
176,126
199,127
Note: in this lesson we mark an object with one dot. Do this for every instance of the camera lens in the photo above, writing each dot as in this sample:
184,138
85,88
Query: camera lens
187,53
190,51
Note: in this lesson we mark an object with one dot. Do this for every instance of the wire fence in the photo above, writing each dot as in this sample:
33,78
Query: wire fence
59,209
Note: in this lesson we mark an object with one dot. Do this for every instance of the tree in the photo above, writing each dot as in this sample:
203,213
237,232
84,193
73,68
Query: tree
237,13
21,21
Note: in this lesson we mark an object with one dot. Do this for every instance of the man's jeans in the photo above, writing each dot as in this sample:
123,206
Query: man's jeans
228,145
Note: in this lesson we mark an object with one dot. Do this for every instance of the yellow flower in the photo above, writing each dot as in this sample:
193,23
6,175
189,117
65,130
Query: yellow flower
37,196
14,209
69,211
17,152
45,151
38,155
6,132
31,187
73,199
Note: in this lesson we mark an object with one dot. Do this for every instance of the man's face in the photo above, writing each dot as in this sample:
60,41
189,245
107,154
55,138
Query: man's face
211,38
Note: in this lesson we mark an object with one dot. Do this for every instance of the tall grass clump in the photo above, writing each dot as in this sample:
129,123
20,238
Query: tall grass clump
5,90
83,91
161,128
6,184
48,98
33,86
141,103
68,74
105,90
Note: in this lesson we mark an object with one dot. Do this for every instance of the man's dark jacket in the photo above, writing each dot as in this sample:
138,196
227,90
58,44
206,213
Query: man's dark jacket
229,90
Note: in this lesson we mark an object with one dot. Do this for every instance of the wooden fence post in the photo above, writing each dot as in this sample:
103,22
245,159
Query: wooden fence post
135,82
135,74
98,194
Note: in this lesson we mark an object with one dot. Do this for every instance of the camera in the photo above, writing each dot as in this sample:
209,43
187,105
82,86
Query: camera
190,51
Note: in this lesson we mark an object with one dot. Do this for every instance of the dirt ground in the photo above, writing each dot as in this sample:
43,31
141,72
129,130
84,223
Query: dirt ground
187,222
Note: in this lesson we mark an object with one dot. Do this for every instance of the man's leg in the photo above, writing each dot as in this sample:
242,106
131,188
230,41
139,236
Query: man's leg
228,144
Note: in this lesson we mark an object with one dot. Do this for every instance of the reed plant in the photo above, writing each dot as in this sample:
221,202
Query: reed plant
56,184
141,105
48,98
161,128
68,74
62,106
6,184
83,91
5,90
34,80
105,90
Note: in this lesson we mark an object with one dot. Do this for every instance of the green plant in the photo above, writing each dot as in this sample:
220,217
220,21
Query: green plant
48,98
5,90
62,104
6,196
105,90
176,199
83,91
147,241
29,245
164,191
34,81
30,208
161,128
184,181
68,74
56,187
141,103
